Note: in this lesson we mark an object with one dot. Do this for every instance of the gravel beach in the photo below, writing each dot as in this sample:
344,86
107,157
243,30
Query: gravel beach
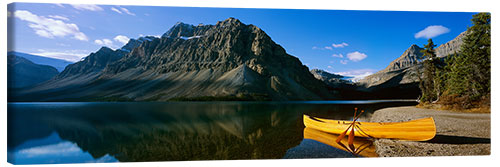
457,133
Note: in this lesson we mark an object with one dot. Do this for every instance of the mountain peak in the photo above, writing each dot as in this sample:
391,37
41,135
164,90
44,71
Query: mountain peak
179,29
105,49
93,63
133,43
410,57
229,22
228,59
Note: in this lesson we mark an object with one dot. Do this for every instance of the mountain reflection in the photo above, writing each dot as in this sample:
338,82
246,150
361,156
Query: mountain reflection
171,131
157,132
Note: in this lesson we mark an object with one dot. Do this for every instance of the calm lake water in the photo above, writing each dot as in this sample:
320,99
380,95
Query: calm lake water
80,132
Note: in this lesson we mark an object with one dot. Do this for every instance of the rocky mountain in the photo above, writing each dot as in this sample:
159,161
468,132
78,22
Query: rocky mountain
133,43
399,67
401,75
451,47
410,57
226,60
332,80
324,76
93,63
22,72
56,63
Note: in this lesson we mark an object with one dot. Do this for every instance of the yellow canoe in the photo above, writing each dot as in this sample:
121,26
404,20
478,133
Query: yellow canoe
362,146
414,130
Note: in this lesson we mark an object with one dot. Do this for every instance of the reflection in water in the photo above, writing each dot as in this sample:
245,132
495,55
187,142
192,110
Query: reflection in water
50,150
362,146
130,132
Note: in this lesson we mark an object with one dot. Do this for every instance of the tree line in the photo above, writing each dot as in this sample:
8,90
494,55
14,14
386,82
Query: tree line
463,79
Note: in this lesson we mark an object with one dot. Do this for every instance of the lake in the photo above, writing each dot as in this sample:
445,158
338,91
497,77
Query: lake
83,132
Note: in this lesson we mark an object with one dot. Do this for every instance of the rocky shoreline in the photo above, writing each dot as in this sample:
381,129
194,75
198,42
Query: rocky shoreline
457,133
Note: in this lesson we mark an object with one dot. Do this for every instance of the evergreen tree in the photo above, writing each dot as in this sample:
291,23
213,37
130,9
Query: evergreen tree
470,71
428,82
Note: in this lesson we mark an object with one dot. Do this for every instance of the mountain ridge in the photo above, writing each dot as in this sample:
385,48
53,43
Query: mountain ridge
59,64
226,59
23,72
402,73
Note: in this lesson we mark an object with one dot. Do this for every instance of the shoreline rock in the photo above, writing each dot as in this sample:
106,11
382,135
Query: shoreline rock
457,133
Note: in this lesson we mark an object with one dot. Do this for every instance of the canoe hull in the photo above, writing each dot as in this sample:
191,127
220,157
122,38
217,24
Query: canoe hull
415,130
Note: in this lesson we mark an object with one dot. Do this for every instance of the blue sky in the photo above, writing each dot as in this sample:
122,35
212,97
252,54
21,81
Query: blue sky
347,42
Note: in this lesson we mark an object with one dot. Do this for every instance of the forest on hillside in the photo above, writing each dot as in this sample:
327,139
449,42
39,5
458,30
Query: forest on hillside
462,81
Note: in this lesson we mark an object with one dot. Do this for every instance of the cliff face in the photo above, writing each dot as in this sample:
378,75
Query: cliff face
401,75
226,59
410,57
399,67
451,47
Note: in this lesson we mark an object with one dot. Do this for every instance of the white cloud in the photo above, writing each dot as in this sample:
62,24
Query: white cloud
116,10
90,7
63,44
343,61
104,42
356,56
60,5
330,67
122,39
125,10
338,55
49,27
340,45
122,10
58,17
68,55
432,31
323,48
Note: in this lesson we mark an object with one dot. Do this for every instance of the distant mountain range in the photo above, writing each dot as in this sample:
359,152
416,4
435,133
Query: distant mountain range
56,63
401,75
399,80
226,61
22,72
333,80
